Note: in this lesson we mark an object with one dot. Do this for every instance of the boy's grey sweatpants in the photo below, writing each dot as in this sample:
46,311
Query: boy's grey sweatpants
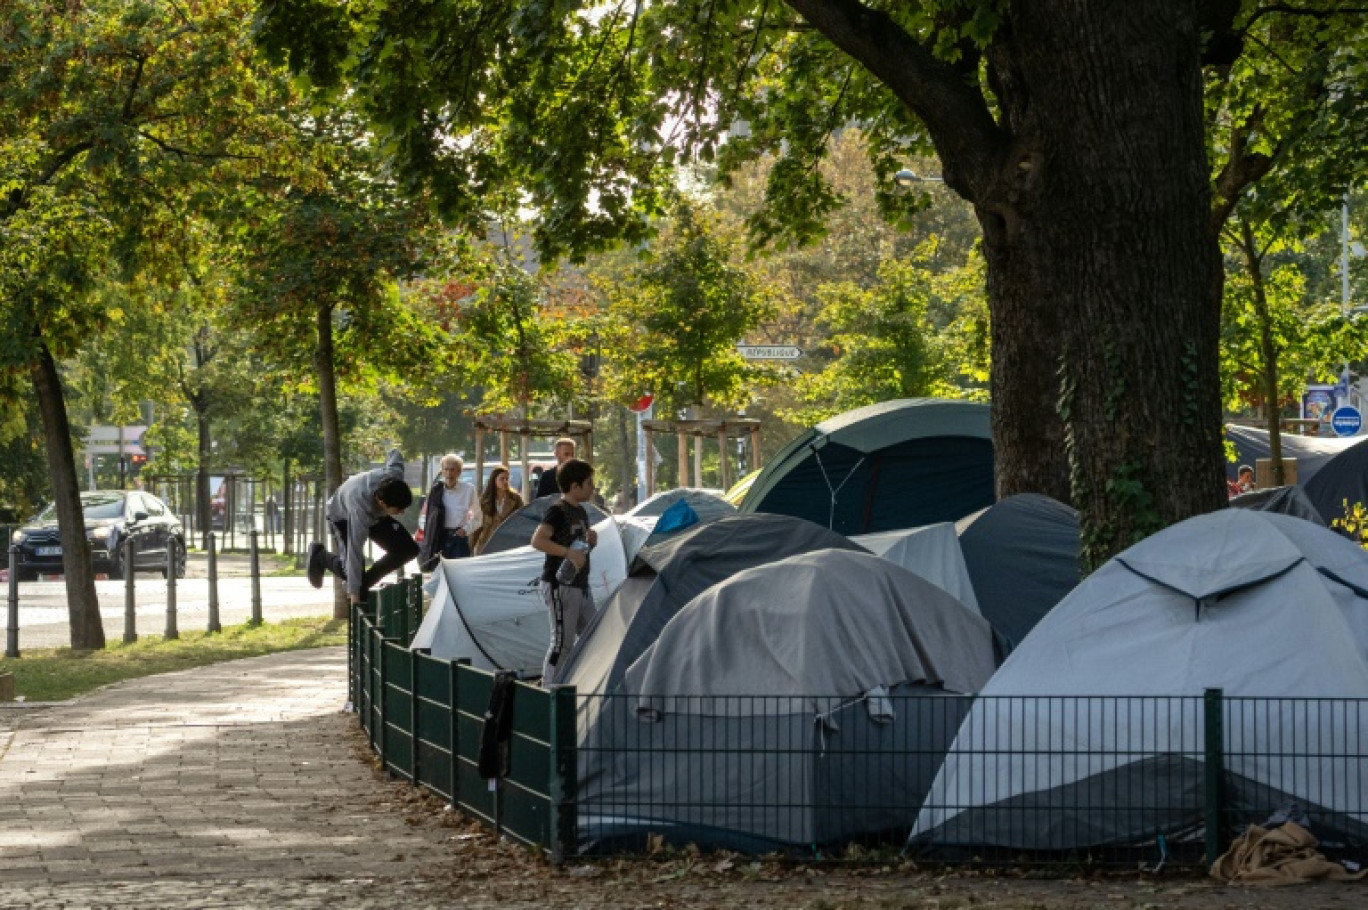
571,610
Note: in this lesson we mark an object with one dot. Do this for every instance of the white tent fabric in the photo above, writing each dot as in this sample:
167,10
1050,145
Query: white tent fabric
932,552
1254,603
489,608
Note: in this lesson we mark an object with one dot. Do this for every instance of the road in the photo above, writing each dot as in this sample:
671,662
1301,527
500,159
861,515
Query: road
43,619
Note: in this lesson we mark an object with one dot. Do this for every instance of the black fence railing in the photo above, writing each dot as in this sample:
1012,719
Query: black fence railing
908,773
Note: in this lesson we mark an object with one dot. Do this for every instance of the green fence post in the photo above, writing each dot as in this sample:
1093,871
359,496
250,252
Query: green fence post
564,773
414,735
378,700
454,737
1214,789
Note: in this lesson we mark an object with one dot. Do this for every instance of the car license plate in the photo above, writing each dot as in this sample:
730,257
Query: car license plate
48,551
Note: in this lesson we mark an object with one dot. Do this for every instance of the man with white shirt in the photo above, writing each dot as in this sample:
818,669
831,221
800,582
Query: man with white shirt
451,513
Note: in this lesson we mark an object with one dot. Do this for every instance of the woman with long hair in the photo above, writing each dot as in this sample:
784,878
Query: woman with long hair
496,503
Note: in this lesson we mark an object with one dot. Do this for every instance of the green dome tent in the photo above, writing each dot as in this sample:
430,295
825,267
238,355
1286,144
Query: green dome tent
896,464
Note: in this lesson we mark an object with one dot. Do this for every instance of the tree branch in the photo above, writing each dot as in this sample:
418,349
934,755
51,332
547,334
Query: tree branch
951,106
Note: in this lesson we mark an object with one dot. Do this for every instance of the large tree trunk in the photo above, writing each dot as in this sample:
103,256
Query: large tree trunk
87,631
1104,103
332,435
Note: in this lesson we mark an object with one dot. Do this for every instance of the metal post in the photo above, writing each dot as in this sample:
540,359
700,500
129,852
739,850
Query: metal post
130,634
564,772
256,576
12,615
1214,789
172,633
214,624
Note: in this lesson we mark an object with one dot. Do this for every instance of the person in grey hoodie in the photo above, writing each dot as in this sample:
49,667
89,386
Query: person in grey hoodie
366,507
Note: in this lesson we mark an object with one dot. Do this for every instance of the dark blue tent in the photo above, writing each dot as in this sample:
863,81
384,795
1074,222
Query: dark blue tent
897,464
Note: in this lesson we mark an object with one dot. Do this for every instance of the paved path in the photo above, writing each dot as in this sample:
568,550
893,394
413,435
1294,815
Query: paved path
231,785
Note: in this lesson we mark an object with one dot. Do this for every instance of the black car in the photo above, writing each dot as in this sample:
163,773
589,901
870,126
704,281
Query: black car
111,517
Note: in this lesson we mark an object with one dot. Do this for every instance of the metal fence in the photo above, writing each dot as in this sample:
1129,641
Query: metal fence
434,723
1078,780
287,517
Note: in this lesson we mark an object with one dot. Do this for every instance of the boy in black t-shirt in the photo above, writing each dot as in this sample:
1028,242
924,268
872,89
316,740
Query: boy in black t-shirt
570,603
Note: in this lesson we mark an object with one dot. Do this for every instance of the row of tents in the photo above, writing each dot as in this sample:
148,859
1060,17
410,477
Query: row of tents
875,678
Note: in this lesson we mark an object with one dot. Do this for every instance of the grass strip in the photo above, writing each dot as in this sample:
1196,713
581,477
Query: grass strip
56,674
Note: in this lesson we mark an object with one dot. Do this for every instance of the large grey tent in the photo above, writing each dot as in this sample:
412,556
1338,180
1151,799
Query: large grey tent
518,528
1341,481
1311,452
1022,555
897,464
777,709
665,576
1091,734
1288,500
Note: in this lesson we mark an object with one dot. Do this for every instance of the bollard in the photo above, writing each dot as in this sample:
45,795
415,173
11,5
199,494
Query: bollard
172,632
256,577
12,616
214,625
130,601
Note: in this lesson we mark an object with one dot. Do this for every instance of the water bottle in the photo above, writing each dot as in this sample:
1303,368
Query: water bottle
566,571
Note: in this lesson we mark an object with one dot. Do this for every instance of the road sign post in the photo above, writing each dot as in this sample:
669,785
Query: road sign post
1346,421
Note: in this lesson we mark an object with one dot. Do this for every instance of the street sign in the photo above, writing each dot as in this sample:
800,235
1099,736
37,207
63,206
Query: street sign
1346,421
769,351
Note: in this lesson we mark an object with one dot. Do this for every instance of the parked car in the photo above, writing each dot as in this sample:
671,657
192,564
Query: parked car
111,517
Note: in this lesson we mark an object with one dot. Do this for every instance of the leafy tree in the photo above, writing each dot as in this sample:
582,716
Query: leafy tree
884,341
682,314
108,108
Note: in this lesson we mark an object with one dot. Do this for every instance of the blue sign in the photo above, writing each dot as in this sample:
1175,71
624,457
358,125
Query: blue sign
1346,421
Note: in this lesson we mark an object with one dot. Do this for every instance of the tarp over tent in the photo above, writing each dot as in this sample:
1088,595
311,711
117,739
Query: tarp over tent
931,552
489,608
1312,452
707,504
821,745
1254,603
1288,500
667,575
1022,554
518,528
897,464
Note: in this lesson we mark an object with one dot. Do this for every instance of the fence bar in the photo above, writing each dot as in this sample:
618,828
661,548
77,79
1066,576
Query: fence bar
1214,808
561,788
172,632
130,633
212,550
256,576
12,614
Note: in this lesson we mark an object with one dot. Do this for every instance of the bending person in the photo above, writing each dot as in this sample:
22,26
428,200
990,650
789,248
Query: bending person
366,507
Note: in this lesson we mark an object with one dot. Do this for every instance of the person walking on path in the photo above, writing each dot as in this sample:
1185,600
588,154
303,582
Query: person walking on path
366,507
565,534
547,485
451,516
496,503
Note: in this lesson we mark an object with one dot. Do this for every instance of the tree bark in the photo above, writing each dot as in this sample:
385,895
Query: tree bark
87,631
204,455
1102,269
324,369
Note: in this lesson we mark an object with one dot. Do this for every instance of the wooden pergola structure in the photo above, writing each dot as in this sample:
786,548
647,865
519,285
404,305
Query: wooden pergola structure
524,428
720,428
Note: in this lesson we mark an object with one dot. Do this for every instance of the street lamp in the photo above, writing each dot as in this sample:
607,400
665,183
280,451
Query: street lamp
907,178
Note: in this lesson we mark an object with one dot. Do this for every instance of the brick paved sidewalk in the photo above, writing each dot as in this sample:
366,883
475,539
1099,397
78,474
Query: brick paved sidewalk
231,785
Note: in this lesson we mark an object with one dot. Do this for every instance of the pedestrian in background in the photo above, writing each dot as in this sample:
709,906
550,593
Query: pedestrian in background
451,514
366,507
497,502
547,485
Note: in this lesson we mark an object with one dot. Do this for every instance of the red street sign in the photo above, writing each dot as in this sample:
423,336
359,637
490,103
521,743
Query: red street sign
642,403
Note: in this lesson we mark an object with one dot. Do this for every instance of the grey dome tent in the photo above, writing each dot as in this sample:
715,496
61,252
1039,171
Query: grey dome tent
665,576
1312,452
707,504
1022,556
1288,500
518,528
1260,605
897,464
1340,480
776,709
